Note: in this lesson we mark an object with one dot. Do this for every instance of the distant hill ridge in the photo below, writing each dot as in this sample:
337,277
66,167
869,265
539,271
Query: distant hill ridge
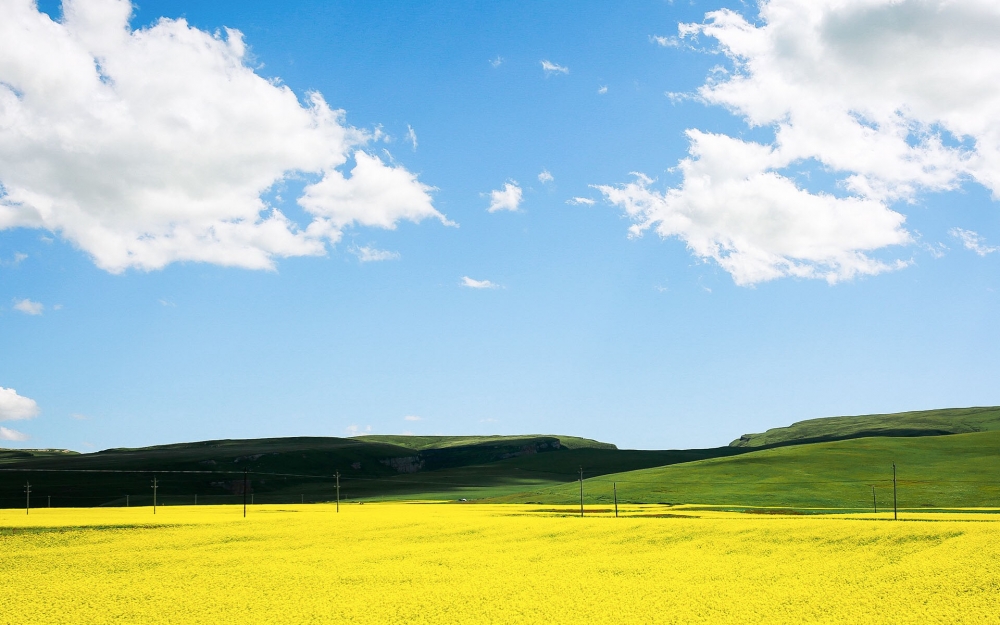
902,424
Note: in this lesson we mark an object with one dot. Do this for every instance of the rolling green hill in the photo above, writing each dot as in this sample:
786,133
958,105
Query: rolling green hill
932,471
289,469
420,443
919,423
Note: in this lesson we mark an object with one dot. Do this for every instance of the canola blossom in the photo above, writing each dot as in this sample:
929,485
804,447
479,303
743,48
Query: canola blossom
447,563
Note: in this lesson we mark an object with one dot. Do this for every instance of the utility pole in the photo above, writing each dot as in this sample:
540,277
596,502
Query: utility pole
156,485
50,501
581,492
338,491
874,501
244,493
614,485
27,497
895,516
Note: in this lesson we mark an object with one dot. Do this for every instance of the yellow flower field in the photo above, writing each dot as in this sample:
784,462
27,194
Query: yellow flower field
446,563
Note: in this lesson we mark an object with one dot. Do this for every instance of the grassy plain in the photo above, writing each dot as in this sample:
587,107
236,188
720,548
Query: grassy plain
448,563
960,470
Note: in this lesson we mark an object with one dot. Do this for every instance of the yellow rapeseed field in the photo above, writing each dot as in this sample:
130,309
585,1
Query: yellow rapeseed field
448,563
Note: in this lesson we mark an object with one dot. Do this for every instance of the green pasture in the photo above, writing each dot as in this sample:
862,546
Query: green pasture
961,470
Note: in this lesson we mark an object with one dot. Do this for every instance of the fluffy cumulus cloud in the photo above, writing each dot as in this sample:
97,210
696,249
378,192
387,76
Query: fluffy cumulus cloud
7,434
14,407
893,97
150,146
507,198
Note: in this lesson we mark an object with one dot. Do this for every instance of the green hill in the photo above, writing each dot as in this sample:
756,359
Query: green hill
293,469
933,472
902,424
421,443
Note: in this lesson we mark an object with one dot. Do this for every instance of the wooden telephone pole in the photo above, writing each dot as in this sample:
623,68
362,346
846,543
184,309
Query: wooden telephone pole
895,517
155,486
27,497
874,501
614,485
338,491
581,492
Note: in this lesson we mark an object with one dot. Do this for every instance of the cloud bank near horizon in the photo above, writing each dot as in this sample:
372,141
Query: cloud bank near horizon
151,146
894,98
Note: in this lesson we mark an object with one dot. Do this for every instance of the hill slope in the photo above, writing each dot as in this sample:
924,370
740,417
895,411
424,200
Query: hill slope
293,469
918,423
934,471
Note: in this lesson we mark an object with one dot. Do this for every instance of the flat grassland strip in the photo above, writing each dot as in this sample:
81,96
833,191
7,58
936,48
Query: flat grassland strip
961,470
434,563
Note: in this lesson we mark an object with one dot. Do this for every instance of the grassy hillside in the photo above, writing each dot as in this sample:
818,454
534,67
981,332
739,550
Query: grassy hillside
421,443
280,469
919,423
933,472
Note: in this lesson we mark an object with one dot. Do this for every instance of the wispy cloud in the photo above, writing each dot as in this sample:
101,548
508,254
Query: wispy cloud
368,254
602,90
478,284
78,417
14,262
411,136
666,42
411,417
167,303
577,201
551,68
7,434
545,176
497,62
29,307
354,430
507,198
972,241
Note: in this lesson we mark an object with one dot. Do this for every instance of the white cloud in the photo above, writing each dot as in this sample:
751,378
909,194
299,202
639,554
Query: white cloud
545,176
551,68
29,307
354,430
603,89
411,136
411,417
153,146
893,97
478,284
14,407
78,417
756,223
666,42
7,434
972,241
367,254
167,303
506,199
577,201
18,258
497,62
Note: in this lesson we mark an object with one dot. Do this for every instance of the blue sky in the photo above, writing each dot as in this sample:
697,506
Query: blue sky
828,249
